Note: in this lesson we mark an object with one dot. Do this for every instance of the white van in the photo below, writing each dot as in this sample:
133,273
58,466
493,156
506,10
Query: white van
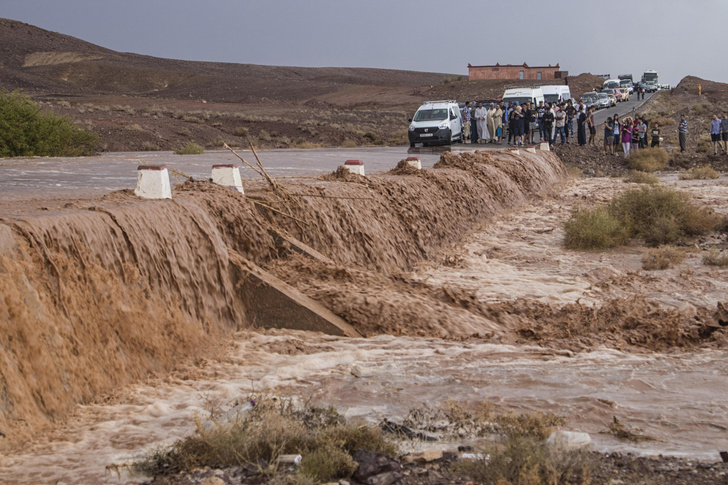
436,123
523,95
556,94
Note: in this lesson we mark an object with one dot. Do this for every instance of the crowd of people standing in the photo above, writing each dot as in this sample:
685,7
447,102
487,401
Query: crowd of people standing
519,124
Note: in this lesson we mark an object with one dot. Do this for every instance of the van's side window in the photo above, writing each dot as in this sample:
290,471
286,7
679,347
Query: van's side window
453,116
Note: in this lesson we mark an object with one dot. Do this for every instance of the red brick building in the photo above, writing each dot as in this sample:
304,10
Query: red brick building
510,71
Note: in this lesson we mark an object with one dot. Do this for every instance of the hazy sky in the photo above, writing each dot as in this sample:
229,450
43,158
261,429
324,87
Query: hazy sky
619,36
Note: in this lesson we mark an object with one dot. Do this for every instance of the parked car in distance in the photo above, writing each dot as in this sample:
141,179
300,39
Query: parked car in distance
612,99
625,93
603,101
589,99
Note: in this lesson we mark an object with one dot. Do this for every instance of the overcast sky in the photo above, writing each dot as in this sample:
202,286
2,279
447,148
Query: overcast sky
675,37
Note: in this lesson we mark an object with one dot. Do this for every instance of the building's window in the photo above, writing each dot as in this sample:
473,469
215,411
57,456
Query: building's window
496,68
520,74
538,76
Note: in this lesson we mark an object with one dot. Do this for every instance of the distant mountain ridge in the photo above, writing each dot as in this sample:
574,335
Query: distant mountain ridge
39,61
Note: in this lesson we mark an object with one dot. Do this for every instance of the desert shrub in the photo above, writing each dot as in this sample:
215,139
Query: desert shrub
267,430
663,257
648,160
306,144
148,146
264,135
455,420
704,144
637,177
660,215
241,131
349,143
191,119
594,229
715,257
528,461
184,131
662,120
655,214
26,131
190,149
700,173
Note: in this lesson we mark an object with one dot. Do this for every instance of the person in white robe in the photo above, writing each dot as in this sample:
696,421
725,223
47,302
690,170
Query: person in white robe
481,119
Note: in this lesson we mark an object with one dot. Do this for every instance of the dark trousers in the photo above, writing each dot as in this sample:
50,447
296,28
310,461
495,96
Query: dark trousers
655,142
559,130
547,132
683,140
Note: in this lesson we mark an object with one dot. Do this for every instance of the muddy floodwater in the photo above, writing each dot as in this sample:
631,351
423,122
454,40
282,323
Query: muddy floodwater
677,397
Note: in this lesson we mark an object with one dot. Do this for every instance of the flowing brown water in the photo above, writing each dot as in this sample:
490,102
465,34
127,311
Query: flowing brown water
105,292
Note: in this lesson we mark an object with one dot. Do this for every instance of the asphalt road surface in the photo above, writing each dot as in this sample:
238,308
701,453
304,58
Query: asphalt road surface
623,109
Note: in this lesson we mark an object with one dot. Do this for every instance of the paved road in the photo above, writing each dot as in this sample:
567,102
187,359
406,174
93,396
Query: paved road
625,108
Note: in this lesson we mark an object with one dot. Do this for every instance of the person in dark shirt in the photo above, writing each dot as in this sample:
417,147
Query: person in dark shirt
581,127
548,122
655,132
609,136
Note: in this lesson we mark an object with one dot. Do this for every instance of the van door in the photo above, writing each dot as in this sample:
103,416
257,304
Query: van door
456,124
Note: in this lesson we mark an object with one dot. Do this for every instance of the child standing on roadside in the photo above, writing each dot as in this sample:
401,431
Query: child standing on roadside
626,136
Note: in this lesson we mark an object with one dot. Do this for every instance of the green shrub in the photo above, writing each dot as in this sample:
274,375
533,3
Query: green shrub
190,149
637,177
655,214
648,159
594,229
26,131
660,215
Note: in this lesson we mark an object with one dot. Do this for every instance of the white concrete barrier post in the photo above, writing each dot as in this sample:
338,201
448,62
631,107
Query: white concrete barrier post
227,175
545,146
355,166
153,182
414,162
515,151
531,149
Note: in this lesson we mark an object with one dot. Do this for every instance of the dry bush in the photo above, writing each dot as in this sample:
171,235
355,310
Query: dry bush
715,257
664,257
648,159
264,135
704,144
456,420
348,143
306,144
191,119
627,433
594,229
148,146
241,131
637,177
528,461
700,173
662,120
267,429
184,131
190,149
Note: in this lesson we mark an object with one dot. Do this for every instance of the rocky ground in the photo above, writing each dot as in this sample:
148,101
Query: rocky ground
612,469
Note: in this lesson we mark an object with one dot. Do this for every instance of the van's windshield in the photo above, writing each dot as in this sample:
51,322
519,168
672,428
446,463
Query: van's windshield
519,100
551,98
430,115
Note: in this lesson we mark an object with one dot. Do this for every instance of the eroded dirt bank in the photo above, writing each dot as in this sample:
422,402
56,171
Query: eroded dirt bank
108,291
